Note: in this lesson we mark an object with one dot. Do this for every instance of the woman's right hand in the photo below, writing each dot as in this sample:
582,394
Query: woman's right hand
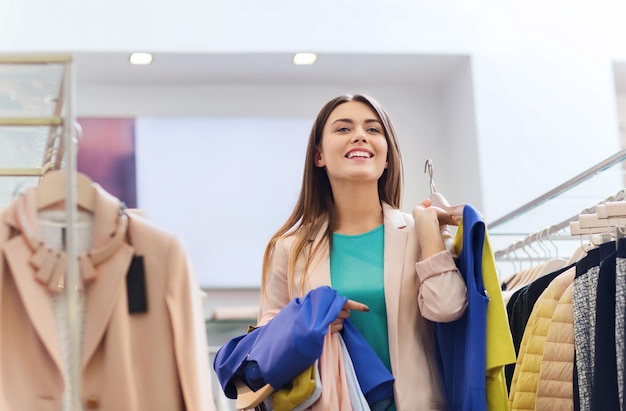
430,224
337,325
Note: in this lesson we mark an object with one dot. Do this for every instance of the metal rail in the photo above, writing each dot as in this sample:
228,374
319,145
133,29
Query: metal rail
585,175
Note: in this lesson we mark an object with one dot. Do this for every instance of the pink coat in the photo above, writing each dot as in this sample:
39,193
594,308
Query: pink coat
148,361
415,294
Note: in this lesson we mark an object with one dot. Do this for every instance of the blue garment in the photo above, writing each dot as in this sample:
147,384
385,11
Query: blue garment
284,347
461,344
375,380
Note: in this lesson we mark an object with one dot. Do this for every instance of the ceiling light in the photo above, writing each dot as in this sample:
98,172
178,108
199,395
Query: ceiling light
304,58
140,58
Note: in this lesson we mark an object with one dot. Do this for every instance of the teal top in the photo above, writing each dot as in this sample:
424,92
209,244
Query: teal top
356,272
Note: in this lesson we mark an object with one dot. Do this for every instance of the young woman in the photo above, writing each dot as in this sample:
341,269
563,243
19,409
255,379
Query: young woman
347,231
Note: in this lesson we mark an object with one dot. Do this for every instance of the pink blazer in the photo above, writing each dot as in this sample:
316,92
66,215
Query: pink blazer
148,361
416,294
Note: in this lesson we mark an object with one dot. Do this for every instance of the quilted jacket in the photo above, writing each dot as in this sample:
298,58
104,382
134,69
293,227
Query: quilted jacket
554,391
523,392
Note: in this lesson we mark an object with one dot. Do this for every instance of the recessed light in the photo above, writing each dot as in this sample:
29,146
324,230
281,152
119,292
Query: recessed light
140,58
304,58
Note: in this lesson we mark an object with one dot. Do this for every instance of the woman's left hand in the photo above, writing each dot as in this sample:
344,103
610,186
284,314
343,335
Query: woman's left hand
337,325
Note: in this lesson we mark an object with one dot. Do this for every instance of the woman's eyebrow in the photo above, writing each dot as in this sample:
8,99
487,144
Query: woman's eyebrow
343,120
349,120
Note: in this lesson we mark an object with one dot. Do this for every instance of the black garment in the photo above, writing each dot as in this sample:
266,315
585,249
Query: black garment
515,322
621,312
604,394
517,330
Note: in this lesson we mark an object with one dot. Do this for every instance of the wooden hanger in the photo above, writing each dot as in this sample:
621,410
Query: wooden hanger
248,399
578,253
611,209
51,191
581,251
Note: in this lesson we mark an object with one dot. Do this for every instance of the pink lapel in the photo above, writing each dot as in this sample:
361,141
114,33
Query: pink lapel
103,295
34,295
395,248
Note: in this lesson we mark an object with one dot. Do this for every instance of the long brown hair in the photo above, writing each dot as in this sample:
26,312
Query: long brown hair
315,202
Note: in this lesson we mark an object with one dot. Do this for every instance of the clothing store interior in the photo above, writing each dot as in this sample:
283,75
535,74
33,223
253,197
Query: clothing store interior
194,153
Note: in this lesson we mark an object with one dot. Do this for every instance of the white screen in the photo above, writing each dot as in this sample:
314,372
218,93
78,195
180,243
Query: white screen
223,186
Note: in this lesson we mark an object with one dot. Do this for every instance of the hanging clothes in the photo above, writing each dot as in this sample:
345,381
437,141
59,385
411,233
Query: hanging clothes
604,391
584,300
520,307
572,351
620,313
132,361
523,392
554,385
473,350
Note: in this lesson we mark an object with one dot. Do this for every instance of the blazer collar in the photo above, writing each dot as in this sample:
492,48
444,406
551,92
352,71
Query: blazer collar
106,214
391,216
394,251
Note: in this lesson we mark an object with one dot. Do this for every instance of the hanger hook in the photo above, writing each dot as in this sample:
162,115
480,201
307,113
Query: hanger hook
527,242
556,248
523,245
539,240
428,168
515,258
78,130
592,243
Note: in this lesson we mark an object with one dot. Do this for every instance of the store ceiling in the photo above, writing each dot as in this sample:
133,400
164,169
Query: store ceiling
172,69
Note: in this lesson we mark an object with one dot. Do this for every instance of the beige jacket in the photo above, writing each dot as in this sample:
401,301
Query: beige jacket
555,390
150,361
415,294
523,392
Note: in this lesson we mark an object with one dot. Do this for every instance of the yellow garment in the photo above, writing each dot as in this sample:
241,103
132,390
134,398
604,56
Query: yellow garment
301,388
500,348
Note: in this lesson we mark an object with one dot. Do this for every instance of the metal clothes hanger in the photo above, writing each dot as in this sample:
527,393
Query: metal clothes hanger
556,248
437,198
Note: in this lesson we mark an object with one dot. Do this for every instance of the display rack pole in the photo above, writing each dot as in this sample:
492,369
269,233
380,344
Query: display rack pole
71,285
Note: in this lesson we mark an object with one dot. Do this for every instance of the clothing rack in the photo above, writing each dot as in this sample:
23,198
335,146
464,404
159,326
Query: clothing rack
57,121
60,147
545,233
542,199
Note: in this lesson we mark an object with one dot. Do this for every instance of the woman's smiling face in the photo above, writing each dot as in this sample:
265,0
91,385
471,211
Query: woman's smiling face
354,146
